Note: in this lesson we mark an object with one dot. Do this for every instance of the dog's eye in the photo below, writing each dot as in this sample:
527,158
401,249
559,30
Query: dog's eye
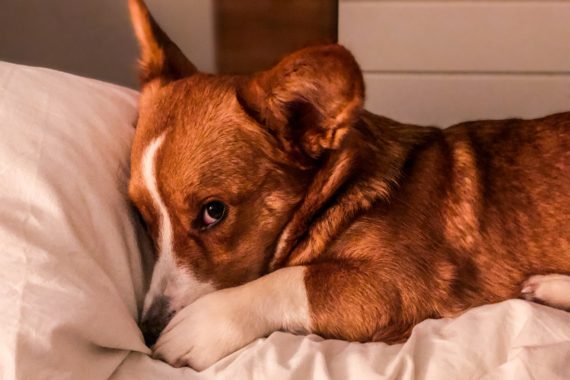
213,212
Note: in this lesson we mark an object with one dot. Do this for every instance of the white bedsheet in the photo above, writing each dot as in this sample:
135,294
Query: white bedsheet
72,276
511,340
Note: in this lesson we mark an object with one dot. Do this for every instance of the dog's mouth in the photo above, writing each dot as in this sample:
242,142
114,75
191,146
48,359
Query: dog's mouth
155,319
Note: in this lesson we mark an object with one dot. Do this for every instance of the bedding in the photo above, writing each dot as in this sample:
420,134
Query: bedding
74,265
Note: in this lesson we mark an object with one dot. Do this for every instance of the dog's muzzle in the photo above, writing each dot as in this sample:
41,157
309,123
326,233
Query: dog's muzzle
155,319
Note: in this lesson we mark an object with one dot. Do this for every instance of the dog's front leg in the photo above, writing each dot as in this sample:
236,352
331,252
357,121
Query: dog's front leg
333,299
224,321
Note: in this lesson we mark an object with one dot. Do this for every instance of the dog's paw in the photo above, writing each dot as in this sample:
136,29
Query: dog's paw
552,290
209,329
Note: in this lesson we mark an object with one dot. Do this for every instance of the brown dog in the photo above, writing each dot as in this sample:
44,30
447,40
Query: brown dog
277,202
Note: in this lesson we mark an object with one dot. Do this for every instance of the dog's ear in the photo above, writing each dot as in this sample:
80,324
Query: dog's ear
160,58
309,100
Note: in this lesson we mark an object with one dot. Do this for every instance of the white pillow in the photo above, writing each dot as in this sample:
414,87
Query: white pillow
71,274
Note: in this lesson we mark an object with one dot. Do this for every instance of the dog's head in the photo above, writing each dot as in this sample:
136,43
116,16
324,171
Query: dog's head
220,163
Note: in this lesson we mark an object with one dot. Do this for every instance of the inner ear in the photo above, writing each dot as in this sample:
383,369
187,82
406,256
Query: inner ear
309,100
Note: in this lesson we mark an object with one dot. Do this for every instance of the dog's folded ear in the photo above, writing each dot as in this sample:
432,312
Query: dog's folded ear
309,100
160,57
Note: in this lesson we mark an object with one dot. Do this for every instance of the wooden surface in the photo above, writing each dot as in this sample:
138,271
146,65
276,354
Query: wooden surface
253,34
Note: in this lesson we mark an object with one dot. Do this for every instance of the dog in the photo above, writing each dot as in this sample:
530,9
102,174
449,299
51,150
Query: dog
277,202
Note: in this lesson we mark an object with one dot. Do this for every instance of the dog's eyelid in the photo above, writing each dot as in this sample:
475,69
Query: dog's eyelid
199,202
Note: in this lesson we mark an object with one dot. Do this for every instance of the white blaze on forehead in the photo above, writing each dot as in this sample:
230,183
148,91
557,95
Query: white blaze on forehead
179,285
164,240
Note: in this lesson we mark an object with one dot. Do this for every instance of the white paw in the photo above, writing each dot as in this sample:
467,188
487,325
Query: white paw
550,289
209,329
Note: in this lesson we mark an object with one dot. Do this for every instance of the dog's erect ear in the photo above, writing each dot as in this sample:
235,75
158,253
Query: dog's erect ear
160,57
309,100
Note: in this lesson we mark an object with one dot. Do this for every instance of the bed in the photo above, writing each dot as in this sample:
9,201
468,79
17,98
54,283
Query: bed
74,265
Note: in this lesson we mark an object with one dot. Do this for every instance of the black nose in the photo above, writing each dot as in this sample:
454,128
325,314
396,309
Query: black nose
155,320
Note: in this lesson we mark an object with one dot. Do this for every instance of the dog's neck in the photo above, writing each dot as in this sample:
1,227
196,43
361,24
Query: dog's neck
364,171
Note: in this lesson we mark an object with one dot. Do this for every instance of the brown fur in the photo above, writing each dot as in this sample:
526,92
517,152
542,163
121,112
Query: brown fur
477,208
395,223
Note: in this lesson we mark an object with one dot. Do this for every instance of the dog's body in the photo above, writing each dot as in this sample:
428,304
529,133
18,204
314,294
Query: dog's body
276,202
471,212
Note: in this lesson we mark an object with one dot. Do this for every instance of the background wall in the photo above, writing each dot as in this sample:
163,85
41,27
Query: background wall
441,62
94,38
425,61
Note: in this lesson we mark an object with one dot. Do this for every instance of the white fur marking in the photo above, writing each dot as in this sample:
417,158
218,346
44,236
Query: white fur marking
228,319
551,289
180,286
149,178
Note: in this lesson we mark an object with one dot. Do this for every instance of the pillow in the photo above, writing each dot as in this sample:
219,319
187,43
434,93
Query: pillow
71,273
